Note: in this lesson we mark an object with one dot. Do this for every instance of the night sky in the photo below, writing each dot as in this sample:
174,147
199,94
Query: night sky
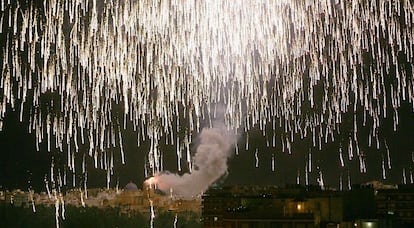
21,166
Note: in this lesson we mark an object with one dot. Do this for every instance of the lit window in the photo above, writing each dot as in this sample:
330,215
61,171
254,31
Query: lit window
300,207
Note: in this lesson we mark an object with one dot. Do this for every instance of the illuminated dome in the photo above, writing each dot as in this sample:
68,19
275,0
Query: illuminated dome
131,187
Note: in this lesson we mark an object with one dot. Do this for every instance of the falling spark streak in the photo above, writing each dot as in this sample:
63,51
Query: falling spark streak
62,202
306,175
388,155
47,187
256,156
309,162
264,60
384,173
341,159
31,193
175,220
298,178
57,212
82,198
404,177
152,216
320,180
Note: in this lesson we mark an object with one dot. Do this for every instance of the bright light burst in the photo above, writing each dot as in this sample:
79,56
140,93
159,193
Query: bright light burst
83,69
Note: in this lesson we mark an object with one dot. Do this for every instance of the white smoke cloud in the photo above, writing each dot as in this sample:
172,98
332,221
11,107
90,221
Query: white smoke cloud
210,161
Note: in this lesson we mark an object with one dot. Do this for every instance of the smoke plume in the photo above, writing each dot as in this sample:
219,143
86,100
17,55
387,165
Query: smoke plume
210,163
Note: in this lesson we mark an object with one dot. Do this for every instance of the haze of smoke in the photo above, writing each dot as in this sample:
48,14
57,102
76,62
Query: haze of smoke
210,163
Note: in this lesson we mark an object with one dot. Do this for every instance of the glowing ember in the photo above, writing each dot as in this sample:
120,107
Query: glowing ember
151,182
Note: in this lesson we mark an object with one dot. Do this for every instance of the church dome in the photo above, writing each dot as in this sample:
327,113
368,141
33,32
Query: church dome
131,187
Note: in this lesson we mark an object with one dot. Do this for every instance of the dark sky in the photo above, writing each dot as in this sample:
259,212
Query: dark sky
22,166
